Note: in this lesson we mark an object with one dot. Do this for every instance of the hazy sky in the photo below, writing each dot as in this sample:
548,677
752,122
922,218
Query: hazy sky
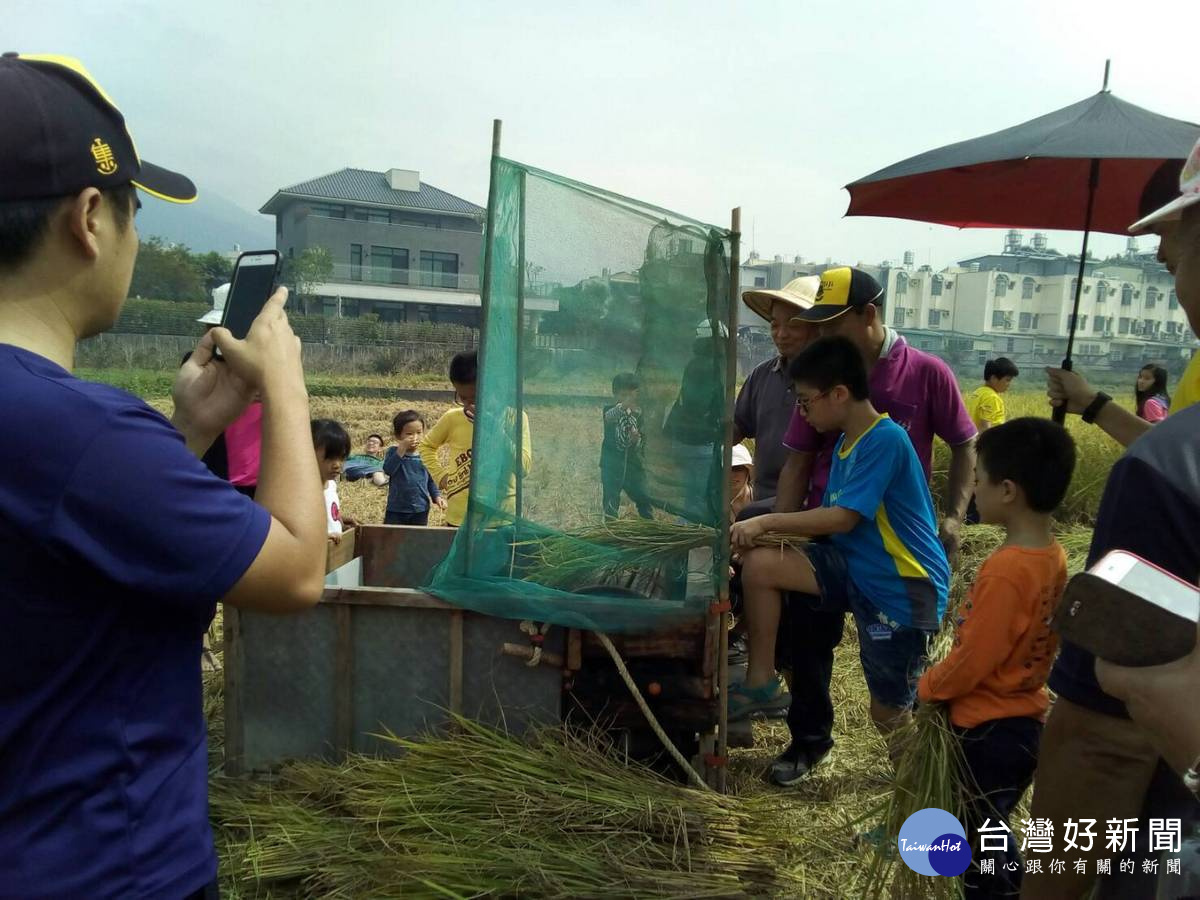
695,106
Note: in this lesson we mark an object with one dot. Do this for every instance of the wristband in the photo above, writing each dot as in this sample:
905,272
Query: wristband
1093,408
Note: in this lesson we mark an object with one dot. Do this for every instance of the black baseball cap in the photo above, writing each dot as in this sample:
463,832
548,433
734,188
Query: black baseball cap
62,133
842,289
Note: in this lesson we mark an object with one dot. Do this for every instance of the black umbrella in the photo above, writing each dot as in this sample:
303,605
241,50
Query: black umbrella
1082,168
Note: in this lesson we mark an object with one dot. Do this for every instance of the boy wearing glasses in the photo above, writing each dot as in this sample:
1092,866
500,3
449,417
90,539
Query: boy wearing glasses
881,559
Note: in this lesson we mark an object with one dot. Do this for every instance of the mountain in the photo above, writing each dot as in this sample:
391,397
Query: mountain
211,223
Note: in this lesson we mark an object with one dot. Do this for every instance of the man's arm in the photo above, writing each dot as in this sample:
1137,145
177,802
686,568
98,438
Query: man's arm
1162,699
1120,424
289,572
792,489
959,485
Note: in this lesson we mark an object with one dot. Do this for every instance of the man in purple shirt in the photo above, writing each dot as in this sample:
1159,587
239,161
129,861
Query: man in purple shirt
919,392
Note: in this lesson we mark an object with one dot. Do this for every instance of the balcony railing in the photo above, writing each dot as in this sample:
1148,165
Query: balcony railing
448,281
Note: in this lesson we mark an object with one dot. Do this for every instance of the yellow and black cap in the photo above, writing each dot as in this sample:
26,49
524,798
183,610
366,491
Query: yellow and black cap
62,133
842,290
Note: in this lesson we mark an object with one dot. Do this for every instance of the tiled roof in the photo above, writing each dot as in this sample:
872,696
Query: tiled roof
361,186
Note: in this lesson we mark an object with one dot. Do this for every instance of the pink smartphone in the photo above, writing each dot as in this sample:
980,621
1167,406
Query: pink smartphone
1130,612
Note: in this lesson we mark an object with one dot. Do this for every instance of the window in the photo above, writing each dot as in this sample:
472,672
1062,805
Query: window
1126,295
1027,286
935,287
439,269
379,216
1026,321
999,318
898,316
1172,301
1082,322
901,283
935,318
1151,297
356,262
1101,291
1123,326
1150,326
760,281
1001,285
389,264
328,210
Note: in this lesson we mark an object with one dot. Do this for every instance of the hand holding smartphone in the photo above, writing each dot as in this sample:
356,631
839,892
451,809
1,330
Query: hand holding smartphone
1130,612
254,276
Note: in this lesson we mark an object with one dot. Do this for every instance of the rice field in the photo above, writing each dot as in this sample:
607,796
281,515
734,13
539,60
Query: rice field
478,814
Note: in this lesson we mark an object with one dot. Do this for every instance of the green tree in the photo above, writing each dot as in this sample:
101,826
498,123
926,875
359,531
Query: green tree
167,272
312,267
214,268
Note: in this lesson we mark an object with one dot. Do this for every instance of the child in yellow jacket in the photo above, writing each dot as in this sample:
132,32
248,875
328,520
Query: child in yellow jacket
455,430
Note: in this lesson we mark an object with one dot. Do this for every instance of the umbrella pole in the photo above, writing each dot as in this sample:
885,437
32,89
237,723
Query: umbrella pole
1060,412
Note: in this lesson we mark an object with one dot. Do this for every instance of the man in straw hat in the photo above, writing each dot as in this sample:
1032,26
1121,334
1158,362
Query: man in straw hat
1095,763
766,402
116,543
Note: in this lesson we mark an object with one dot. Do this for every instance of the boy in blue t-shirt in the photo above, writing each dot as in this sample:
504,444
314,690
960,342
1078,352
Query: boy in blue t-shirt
411,488
882,560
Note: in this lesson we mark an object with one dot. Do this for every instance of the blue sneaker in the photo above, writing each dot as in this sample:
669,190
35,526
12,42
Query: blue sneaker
769,698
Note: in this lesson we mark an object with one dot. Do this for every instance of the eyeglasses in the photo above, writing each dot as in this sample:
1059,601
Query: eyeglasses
803,403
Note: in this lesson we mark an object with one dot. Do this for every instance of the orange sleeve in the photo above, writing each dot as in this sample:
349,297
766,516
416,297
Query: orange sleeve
984,639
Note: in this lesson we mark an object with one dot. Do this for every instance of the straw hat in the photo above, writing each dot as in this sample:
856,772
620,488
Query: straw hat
800,294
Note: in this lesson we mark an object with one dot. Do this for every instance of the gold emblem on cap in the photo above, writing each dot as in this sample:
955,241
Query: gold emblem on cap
106,163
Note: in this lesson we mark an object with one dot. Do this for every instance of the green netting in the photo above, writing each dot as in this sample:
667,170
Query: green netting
582,285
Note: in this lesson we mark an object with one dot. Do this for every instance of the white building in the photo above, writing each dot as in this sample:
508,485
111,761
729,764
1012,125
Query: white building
1018,304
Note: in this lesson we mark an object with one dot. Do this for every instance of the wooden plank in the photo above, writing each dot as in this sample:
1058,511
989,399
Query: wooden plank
456,662
379,596
683,643
232,666
712,627
574,649
337,555
343,681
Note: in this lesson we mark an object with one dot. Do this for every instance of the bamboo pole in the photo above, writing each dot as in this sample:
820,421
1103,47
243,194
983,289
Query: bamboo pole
735,237
485,296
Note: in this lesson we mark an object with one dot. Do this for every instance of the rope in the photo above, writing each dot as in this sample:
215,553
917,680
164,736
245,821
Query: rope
692,775
537,637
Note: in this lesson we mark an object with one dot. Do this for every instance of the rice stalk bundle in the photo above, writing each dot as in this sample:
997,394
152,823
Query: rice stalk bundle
596,554
930,772
480,813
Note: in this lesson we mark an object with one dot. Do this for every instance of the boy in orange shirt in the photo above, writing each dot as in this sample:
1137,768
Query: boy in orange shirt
994,678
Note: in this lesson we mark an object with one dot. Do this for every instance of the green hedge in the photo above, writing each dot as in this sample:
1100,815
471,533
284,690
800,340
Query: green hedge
166,317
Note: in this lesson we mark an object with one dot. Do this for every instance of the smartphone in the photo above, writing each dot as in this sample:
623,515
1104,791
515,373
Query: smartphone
253,282
1128,611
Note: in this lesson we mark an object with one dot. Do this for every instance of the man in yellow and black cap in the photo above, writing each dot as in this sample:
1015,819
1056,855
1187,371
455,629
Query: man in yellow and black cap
116,543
